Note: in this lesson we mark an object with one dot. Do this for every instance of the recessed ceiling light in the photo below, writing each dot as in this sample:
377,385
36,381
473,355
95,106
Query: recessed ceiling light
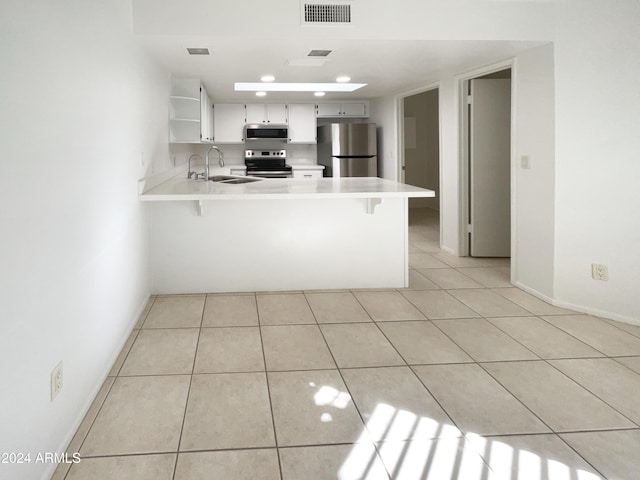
267,78
198,51
318,53
297,87
261,94
343,79
319,94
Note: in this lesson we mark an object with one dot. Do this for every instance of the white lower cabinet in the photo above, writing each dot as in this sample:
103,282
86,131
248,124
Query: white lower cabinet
307,172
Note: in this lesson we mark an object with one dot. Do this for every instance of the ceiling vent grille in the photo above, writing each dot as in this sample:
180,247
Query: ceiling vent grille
326,13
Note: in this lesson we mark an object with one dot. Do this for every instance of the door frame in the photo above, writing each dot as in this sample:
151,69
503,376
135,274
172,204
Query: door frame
399,133
463,154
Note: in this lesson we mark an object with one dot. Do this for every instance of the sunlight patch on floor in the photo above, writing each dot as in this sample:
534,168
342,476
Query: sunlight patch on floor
445,458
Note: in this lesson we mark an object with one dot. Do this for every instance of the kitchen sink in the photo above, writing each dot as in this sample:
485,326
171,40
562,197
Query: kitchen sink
221,178
242,180
233,180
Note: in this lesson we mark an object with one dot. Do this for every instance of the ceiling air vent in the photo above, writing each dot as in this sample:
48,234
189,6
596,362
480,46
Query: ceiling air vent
198,51
327,13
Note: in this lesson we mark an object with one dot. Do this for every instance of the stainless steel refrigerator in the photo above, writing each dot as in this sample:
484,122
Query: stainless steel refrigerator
348,149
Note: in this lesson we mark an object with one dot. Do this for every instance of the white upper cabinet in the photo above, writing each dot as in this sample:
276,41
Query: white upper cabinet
190,116
228,122
267,113
343,109
302,123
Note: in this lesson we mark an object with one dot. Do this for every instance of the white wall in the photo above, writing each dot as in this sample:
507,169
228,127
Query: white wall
383,114
450,184
597,66
576,205
534,195
80,103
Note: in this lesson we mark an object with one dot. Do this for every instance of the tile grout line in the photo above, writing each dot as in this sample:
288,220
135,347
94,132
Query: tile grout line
569,333
489,361
636,424
578,453
92,423
551,430
480,364
489,289
416,375
364,424
266,375
607,321
488,319
186,403
431,319
474,362
304,445
556,432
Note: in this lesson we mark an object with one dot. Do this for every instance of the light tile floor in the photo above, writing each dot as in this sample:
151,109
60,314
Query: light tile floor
458,376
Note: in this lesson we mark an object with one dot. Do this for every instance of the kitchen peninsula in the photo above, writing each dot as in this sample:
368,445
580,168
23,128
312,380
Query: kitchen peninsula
279,234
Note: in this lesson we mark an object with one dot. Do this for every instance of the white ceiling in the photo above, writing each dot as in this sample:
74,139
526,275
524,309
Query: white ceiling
394,47
387,66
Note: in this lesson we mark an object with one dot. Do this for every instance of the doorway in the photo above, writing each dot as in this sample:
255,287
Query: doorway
421,163
488,164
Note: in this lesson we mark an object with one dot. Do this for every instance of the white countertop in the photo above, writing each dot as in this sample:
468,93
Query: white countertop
179,188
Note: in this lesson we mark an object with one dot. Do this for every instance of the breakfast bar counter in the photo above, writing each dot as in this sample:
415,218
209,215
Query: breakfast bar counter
278,234
180,188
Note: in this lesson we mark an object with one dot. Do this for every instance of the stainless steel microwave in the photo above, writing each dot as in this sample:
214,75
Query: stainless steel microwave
266,132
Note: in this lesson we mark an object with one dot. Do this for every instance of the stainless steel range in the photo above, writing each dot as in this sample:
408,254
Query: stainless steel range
267,163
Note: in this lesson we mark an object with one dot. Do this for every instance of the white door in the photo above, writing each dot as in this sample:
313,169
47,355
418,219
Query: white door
489,169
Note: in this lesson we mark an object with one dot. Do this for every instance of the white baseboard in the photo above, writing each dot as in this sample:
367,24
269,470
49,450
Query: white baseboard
448,250
580,308
94,392
535,293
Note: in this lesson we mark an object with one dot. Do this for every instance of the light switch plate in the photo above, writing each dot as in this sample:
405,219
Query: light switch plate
524,162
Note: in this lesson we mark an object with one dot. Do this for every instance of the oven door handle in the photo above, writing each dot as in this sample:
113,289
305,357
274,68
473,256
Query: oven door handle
269,174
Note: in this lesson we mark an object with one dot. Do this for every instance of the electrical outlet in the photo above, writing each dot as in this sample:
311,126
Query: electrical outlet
524,162
56,381
599,272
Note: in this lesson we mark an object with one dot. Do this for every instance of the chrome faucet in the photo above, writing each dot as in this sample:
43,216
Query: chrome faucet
191,173
206,160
